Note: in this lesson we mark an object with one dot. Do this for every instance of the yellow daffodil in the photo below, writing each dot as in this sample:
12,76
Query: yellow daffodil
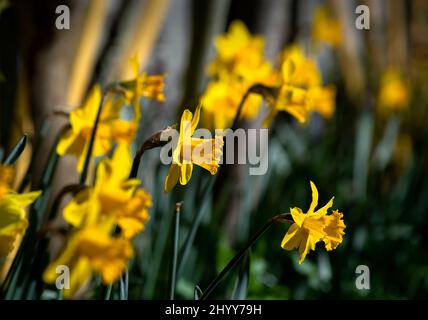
241,54
113,196
91,249
143,85
239,64
313,226
301,92
325,28
110,129
394,92
205,153
13,220
221,100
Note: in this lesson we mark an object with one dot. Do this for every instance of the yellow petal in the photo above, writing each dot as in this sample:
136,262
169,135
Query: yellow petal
80,276
308,243
25,199
195,119
298,216
287,69
292,238
323,211
185,173
66,142
185,125
314,202
121,163
77,208
172,177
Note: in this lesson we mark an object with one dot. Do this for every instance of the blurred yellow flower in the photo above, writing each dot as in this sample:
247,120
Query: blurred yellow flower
114,196
299,70
322,100
239,64
91,249
205,153
325,28
13,221
143,85
394,92
6,176
110,128
241,54
314,226
301,92
221,100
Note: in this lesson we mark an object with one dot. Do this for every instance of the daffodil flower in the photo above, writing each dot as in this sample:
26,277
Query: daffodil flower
240,63
113,196
89,250
326,29
205,153
300,92
394,92
143,85
13,220
313,226
240,53
110,129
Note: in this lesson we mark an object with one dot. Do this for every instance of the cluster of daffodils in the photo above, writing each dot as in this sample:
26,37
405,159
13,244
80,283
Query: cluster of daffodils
13,220
240,64
111,128
105,217
96,213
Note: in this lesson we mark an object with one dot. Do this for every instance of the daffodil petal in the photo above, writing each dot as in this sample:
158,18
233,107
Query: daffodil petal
185,173
292,238
195,119
323,210
172,177
298,216
314,202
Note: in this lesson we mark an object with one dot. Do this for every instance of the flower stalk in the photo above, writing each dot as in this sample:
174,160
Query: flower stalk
281,218
175,250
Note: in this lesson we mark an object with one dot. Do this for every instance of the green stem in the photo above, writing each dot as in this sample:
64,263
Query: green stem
175,250
256,88
91,144
200,212
232,263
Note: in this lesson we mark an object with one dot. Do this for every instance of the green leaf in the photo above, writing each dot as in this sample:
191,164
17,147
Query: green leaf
17,151
197,292
241,285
